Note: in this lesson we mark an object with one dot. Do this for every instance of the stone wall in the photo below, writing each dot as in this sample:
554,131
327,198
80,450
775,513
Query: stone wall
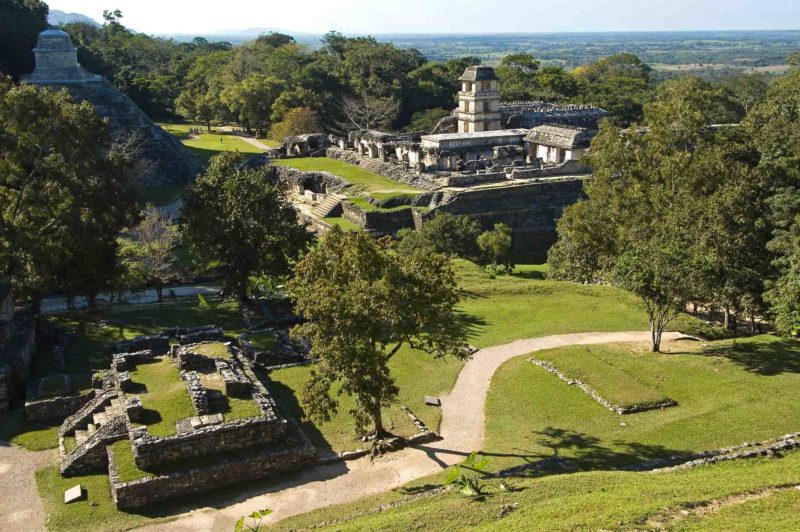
148,490
56,408
564,169
319,182
382,222
476,178
17,345
150,452
530,209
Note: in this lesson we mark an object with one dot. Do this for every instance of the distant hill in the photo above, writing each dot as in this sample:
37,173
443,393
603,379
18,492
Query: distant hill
57,18
241,36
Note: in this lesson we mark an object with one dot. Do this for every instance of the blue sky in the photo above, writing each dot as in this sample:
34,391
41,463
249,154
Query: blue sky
442,16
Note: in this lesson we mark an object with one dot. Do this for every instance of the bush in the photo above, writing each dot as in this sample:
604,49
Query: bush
444,233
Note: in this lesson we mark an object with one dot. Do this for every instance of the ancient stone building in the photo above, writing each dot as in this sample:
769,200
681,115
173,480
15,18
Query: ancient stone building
557,144
478,100
161,158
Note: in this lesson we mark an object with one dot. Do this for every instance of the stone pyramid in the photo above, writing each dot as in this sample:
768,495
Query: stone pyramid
162,159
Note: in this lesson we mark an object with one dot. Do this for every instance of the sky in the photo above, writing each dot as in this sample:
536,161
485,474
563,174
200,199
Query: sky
442,16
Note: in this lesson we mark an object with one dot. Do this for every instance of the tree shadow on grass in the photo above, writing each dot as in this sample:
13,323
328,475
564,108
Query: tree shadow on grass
769,359
585,453
530,275
467,326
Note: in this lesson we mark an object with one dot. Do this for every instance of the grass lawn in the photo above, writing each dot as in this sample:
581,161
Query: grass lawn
363,180
213,350
603,369
164,396
231,408
15,428
262,341
344,223
98,330
727,393
95,512
600,500
369,207
206,145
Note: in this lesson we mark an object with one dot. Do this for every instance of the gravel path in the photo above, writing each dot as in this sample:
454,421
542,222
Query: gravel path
461,431
20,506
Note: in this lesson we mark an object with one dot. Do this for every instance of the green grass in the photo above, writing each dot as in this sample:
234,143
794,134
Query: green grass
369,207
96,512
339,433
601,500
16,429
344,223
123,459
262,341
779,511
231,408
213,350
726,394
604,369
206,145
96,331
164,396
497,310
362,180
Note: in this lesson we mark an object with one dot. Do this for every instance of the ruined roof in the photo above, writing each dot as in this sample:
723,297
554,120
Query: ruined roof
564,137
478,73
477,135
53,39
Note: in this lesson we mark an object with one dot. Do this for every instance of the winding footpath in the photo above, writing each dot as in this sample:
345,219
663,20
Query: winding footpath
338,483
325,485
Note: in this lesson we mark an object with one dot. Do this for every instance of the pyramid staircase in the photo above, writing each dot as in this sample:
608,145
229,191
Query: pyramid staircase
330,206
101,424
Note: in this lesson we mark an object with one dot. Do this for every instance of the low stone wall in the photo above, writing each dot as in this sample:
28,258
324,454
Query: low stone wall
56,408
157,343
85,413
567,168
91,456
150,452
320,181
197,392
204,334
148,490
463,180
382,222
642,407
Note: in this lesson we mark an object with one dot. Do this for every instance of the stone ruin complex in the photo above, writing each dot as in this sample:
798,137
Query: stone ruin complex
517,163
17,345
205,451
162,159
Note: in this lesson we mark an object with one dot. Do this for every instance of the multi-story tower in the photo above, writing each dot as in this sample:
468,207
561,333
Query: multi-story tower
478,100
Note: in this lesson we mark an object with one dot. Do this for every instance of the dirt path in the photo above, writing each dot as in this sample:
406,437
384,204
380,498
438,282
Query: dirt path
461,431
20,506
257,143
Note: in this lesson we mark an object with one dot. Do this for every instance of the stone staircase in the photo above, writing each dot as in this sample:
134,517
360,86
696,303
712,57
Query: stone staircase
105,424
330,206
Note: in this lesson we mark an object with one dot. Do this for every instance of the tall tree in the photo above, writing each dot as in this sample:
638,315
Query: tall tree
363,303
63,187
240,218
23,20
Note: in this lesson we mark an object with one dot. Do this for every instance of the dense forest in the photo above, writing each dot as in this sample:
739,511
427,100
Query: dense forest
347,82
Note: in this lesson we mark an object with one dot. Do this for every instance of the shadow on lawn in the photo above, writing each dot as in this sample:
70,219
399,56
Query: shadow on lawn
773,358
586,453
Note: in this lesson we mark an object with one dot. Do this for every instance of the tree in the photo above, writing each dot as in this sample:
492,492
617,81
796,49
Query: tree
444,233
659,273
618,84
369,112
149,252
295,122
784,293
517,73
427,120
240,217
674,212
23,20
251,101
793,60
496,247
362,303
63,191
748,90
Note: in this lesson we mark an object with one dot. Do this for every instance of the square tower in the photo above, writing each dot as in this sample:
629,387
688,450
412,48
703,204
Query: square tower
478,100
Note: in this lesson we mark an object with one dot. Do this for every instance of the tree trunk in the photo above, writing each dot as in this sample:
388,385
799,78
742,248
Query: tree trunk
377,416
726,321
160,293
91,301
752,324
694,309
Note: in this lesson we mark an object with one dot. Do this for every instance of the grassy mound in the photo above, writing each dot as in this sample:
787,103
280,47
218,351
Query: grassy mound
604,371
164,396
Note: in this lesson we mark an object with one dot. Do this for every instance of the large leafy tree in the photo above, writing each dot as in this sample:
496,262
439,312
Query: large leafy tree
22,21
149,249
618,83
363,303
447,233
63,191
673,212
239,217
